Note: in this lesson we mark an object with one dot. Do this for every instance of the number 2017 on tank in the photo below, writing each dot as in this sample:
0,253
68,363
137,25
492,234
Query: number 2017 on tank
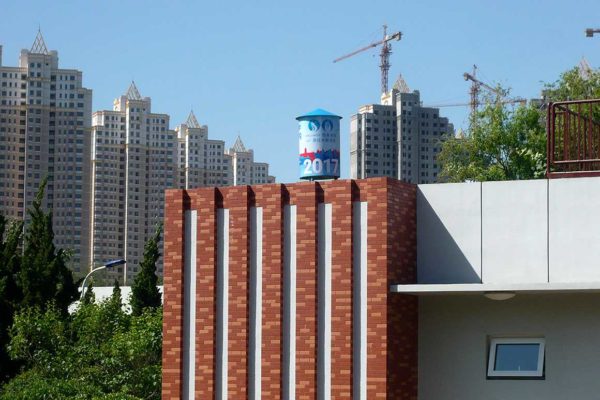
318,166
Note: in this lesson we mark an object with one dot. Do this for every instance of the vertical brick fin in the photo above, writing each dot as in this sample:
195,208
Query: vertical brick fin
236,199
203,200
339,195
305,197
402,311
176,202
271,199
374,192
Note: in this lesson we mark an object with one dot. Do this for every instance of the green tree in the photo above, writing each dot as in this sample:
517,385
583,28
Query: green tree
10,293
89,296
574,85
144,292
505,143
98,352
44,275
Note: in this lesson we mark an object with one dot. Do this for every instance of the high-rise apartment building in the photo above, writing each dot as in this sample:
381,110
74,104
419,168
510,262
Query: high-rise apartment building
45,116
201,161
106,171
398,138
135,157
134,161
245,170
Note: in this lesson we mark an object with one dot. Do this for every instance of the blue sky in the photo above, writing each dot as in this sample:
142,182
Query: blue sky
250,67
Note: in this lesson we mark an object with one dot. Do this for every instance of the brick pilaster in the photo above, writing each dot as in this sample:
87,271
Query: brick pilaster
339,194
173,251
270,198
236,200
305,197
204,201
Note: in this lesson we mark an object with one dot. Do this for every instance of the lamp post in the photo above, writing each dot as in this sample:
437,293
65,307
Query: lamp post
589,32
109,264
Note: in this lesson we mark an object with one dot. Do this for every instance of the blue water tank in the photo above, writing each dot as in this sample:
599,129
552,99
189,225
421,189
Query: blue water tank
319,145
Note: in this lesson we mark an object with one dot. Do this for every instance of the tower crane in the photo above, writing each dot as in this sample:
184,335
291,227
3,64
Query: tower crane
516,100
386,50
476,88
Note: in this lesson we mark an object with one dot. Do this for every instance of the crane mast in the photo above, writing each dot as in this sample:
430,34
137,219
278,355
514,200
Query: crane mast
386,50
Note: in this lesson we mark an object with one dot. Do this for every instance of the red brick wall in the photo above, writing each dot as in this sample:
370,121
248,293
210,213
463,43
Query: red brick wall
175,206
306,197
270,198
391,258
206,256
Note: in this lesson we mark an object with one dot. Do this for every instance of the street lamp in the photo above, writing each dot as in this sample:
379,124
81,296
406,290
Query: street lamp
589,32
109,264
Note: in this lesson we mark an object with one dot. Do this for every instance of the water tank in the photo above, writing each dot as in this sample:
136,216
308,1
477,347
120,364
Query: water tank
319,145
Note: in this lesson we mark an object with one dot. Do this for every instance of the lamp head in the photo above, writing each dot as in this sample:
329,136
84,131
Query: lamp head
115,263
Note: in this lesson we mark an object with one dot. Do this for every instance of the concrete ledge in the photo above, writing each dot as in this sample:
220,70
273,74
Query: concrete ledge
481,288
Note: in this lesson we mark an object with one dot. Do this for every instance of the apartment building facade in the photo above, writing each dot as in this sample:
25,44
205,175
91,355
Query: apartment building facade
398,138
245,171
135,158
45,118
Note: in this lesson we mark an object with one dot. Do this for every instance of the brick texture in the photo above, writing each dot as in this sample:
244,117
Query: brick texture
391,258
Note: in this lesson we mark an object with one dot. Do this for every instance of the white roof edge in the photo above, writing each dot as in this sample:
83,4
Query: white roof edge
480,288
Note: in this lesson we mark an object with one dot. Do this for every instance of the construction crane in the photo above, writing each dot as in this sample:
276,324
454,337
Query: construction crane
516,100
386,50
476,88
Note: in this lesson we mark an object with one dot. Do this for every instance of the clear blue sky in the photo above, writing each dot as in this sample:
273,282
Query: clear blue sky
250,67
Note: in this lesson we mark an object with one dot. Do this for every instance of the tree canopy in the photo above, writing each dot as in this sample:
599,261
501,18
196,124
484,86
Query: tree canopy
507,143
98,352
144,292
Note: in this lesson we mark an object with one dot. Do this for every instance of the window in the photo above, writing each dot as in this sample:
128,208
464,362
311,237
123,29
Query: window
516,358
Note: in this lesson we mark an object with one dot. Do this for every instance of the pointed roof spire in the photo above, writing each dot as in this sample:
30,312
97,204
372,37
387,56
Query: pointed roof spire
239,145
39,46
192,122
133,93
401,85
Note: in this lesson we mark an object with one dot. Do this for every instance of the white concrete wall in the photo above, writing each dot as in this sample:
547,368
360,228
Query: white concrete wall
514,235
453,340
509,232
574,239
449,233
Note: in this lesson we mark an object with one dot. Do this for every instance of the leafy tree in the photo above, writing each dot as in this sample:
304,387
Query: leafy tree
89,296
99,352
44,275
574,85
144,292
505,143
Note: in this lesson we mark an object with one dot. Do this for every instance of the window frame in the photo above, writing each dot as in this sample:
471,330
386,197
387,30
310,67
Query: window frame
537,374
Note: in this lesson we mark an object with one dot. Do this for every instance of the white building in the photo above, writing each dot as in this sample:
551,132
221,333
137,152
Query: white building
398,138
135,157
245,170
45,116
508,287
202,161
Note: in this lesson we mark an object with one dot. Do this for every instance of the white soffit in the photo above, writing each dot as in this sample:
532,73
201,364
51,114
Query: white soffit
480,288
